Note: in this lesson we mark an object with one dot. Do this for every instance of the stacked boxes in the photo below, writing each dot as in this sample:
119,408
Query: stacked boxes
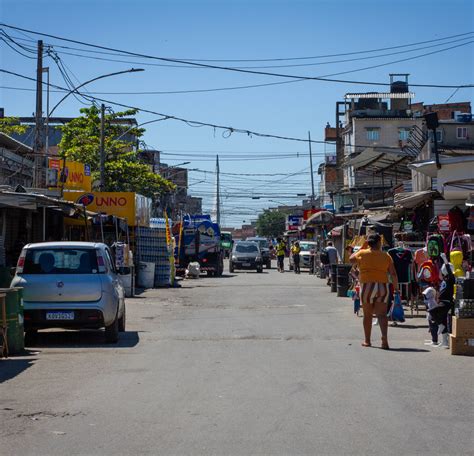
153,248
462,337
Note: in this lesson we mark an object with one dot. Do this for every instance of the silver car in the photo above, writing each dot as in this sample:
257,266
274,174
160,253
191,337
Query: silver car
308,250
70,285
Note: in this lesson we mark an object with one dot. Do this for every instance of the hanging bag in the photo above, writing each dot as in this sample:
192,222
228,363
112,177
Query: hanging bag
435,245
444,224
396,312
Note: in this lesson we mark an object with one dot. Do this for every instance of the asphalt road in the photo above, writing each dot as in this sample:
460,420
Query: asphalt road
246,364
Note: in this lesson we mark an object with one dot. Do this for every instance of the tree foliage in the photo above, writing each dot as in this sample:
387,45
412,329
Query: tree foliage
11,126
124,171
271,223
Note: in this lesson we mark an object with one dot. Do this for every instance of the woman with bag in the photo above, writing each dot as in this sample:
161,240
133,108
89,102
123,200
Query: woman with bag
375,269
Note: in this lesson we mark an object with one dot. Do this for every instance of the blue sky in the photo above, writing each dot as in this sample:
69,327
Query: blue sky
241,30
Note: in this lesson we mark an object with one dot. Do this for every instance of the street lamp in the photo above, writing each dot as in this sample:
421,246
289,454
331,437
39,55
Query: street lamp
75,89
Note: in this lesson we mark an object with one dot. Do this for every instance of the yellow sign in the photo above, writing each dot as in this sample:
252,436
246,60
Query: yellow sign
77,175
127,205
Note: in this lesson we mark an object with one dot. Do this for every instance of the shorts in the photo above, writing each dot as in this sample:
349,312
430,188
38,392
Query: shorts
374,297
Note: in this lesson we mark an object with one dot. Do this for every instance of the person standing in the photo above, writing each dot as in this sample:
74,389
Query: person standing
280,251
295,252
375,269
333,258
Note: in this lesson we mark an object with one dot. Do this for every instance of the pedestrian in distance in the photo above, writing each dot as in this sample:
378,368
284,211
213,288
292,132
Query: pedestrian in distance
332,258
280,251
375,269
295,252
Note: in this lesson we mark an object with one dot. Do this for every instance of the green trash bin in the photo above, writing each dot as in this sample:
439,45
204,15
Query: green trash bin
5,276
15,327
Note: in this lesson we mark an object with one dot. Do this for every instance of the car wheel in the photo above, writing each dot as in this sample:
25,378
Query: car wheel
260,269
122,320
31,337
112,332
231,267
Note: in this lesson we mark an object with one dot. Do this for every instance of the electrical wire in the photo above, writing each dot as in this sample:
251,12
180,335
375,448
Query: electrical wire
119,53
268,66
224,68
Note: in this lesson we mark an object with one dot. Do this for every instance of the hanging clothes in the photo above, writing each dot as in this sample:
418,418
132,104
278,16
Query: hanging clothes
421,255
402,259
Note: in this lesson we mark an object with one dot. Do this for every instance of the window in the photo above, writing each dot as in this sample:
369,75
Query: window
60,261
246,248
461,133
439,135
403,134
373,134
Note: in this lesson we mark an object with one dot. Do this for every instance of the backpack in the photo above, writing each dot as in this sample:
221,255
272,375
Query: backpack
435,245
324,257
429,272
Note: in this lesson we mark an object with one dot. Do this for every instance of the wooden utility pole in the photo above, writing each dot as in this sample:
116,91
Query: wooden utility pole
38,140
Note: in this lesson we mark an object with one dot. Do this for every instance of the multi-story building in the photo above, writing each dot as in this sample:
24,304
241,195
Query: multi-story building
15,168
380,136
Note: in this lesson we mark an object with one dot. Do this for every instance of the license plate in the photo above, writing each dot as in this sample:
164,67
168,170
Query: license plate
246,265
59,315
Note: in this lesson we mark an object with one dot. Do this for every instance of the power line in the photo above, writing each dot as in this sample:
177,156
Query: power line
267,66
120,53
264,73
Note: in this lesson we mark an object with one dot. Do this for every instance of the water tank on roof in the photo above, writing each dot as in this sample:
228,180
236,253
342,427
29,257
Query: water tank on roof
399,87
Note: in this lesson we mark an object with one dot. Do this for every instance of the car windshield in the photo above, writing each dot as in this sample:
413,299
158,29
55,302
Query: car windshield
306,246
60,261
262,243
246,248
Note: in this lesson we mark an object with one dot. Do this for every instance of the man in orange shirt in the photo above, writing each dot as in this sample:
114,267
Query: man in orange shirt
375,269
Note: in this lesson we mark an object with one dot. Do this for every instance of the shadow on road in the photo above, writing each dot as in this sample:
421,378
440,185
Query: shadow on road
11,367
408,350
84,339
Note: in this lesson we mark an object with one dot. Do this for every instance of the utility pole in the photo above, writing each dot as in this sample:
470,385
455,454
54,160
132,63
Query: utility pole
38,140
218,196
102,148
311,166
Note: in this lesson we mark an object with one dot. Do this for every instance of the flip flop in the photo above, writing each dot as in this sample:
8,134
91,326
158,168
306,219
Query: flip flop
366,344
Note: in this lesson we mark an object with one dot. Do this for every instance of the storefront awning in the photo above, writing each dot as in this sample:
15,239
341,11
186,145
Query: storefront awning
34,201
380,160
320,218
409,200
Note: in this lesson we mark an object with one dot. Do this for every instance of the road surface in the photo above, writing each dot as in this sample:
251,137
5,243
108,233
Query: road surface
246,364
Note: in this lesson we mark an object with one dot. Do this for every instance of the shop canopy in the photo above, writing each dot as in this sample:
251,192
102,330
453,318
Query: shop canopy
409,200
320,218
34,201
379,160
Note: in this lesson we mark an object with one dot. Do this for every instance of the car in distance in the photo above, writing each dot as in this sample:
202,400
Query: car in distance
71,285
246,255
308,250
264,245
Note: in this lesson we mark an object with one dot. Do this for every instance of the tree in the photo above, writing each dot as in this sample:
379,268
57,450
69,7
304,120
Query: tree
124,171
271,223
11,126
